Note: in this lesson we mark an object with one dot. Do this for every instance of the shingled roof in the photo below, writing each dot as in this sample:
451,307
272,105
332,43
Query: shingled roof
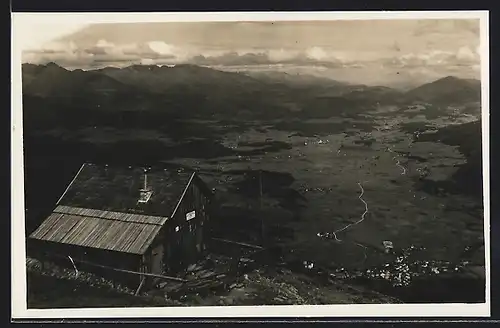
114,231
118,189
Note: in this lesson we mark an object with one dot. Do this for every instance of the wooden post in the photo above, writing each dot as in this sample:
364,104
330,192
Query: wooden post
263,232
42,262
237,243
141,272
140,285
235,263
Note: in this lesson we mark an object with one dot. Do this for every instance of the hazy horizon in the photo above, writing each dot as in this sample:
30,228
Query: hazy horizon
401,53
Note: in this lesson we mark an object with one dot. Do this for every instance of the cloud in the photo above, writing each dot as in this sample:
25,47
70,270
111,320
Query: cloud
231,59
71,55
454,27
95,51
316,53
315,56
277,55
163,48
159,52
104,44
105,53
464,56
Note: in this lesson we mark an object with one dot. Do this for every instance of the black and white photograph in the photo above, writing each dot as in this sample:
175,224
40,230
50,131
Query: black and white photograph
292,163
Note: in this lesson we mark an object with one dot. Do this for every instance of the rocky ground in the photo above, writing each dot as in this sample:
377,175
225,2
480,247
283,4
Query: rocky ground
56,287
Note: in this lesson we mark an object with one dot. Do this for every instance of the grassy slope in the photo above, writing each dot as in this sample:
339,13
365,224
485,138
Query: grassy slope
51,292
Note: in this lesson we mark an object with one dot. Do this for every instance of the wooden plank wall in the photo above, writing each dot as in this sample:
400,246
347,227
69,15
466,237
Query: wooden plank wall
190,238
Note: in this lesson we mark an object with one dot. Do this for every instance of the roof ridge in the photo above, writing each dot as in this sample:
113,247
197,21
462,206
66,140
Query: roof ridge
183,193
163,218
71,183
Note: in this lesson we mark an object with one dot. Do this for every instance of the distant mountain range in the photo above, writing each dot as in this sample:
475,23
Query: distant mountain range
293,79
54,81
194,91
61,108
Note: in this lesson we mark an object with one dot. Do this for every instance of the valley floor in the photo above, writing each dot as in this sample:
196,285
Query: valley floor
360,179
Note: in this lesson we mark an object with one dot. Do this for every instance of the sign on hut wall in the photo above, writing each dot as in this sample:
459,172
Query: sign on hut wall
191,215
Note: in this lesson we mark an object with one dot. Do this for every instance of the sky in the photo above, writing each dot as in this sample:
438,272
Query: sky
375,51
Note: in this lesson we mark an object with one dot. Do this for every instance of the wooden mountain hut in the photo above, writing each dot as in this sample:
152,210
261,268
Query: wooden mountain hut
131,219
